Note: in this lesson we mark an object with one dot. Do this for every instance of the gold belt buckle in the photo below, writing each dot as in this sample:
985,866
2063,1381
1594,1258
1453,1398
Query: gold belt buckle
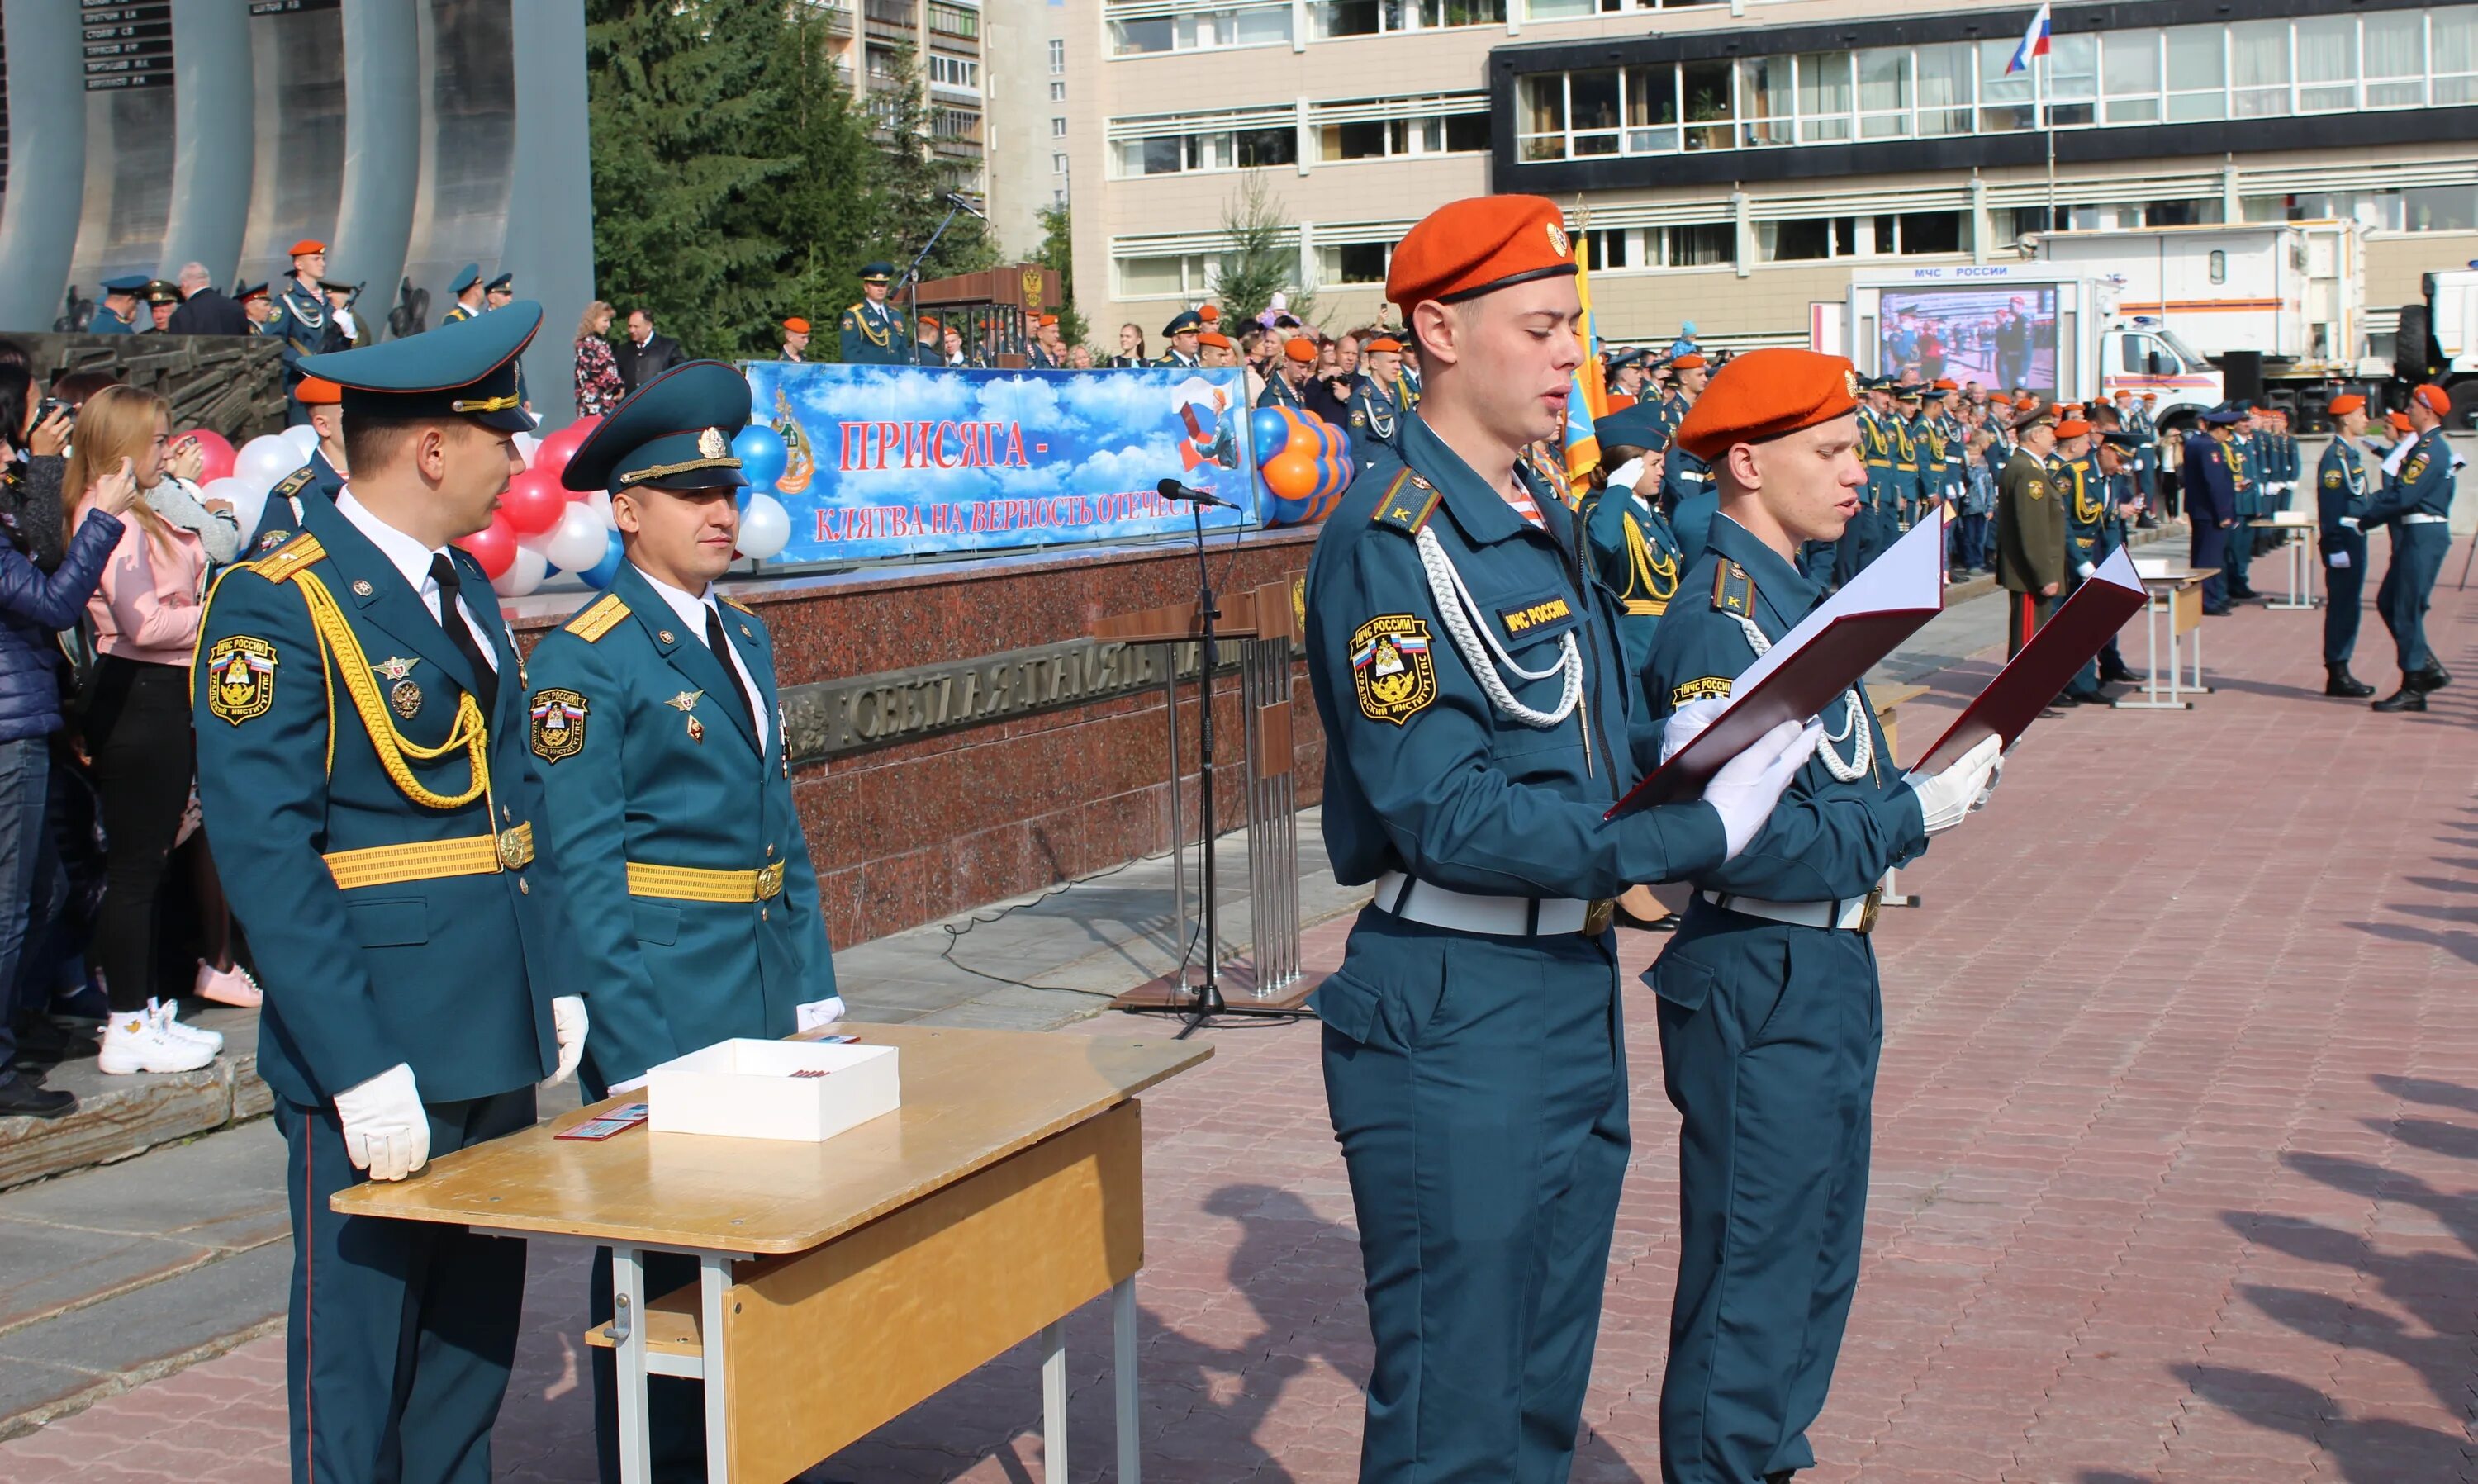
1875,900
770,881
517,848
1596,916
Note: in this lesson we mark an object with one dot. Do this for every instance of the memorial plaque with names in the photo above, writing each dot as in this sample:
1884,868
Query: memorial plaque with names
289,7
126,45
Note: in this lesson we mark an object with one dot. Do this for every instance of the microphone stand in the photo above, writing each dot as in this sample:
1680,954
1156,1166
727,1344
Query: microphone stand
1209,1001
912,274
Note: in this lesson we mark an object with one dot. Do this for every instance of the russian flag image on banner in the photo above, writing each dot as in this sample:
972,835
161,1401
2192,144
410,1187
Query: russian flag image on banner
2035,43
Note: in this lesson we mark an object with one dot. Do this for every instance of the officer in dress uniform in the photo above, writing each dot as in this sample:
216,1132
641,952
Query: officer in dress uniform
2244,455
2339,491
1865,535
1771,1012
1685,481
466,287
873,331
301,321
1473,1062
2030,528
2134,415
2419,505
119,312
258,305
1181,331
1374,414
361,765
321,479
655,722
1633,548
162,299
2208,480
500,291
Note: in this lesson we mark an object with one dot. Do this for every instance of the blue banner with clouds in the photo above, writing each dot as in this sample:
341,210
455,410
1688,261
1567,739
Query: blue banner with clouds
892,460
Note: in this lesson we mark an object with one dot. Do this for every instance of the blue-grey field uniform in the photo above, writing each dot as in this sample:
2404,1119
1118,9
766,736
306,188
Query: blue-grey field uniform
1279,393
2340,485
1375,416
316,480
2209,494
1473,1062
1769,1035
307,327
2419,506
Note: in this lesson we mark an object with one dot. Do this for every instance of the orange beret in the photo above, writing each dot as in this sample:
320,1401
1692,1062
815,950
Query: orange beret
797,325
306,246
1049,319
1943,384
1384,342
928,321
2072,427
1213,338
315,391
2437,401
1298,347
1466,248
2347,403
2151,396
1763,394
1210,314
2025,404
2400,420
1687,361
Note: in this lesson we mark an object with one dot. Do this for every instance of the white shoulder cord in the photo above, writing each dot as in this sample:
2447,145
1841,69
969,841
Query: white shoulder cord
1456,611
1853,721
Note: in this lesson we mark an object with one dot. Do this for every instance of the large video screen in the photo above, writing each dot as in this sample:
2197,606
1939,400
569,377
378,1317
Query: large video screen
2001,335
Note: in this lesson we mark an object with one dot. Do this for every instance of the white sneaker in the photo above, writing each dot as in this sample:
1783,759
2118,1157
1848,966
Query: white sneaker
134,1043
165,1013
228,986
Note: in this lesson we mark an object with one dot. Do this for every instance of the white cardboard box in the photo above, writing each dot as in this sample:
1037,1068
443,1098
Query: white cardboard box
748,1089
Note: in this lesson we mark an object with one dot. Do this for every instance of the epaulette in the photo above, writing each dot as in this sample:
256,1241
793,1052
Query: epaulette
1407,513
294,481
289,558
1733,591
598,617
733,602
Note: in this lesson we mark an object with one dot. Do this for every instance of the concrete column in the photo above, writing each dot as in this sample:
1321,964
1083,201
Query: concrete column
212,113
1746,233
1980,226
551,216
382,153
38,217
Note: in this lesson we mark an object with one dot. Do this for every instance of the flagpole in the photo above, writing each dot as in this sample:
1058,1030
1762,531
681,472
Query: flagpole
2048,126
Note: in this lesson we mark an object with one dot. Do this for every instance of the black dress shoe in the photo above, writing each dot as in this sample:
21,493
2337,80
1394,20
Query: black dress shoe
2237,595
2432,678
2065,699
42,1043
2119,676
2402,700
20,1098
2222,611
2337,681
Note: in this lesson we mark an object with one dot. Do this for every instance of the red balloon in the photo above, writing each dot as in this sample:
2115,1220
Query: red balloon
533,502
557,448
218,451
494,547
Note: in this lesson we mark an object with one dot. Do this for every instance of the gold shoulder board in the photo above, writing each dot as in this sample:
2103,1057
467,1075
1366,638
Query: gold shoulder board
733,602
288,560
599,618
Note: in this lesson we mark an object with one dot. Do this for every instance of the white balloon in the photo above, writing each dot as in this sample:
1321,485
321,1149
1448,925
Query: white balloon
765,527
264,460
249,500
523,574
526,443
577,542
304,441
599,502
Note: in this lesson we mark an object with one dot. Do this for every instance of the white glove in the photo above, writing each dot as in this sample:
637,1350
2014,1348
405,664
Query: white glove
1947,799
2338,559
567,1025
1625,475
2350,521
2083,569
816,1013
386,1131
1749,785
1687,722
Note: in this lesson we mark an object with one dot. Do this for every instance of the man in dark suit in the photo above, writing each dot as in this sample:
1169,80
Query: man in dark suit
203,309
644,355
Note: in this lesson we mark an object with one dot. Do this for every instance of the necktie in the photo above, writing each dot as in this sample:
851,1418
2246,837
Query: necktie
722,648
486,680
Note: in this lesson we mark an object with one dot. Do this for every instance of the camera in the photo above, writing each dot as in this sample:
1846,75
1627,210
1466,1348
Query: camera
45,410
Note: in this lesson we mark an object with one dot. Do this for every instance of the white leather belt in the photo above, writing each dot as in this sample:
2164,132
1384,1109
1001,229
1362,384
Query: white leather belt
1851,915
2425,520
1501,917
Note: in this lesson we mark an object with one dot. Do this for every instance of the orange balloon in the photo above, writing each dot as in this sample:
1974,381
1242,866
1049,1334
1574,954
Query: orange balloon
1292,475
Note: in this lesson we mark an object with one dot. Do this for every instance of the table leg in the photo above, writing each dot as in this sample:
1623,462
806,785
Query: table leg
1054,1402
1122,1370
629,1326
714,1287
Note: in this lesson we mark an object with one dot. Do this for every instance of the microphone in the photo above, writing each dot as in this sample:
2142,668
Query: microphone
966,205
1173,489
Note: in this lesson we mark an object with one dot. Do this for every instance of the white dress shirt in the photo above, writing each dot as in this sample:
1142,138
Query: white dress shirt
692,611
411,558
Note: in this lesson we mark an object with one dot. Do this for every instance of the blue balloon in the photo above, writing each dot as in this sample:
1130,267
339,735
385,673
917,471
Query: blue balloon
601,573
1268,431
763,457
740,496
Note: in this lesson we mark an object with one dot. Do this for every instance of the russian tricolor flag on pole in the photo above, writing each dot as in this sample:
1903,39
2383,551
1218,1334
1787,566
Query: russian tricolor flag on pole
2035,43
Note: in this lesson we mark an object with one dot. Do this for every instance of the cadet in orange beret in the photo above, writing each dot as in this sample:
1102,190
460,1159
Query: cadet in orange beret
1379,396
2339,487
322,478
2082,494
1771,1015
1289,373
1477,735
2419,500
796,338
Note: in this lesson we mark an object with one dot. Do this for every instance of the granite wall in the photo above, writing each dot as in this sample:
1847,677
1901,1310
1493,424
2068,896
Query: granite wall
909,830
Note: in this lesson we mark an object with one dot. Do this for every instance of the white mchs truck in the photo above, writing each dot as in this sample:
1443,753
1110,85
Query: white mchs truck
2446,320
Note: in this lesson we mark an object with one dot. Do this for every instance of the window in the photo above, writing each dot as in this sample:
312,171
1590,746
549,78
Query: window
2396,48
1189,275
1057,57
1378,138
2004,99
1058,128
1260,147
2073,81
946,71
1766,111
2130,76
1057,165
1335,19
1710,106
1651,110
1946,75
1592,110
2198,74
954,20
1700,245
2441,209
1806,238
1354,263
959,124
2455,55
2258,69
2220,266
1929,232
1171,144
1195,31
1884,92
1058,92
1823,97
2327,65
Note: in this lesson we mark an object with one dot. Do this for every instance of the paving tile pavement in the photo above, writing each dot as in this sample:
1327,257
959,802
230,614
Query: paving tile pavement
2173,1181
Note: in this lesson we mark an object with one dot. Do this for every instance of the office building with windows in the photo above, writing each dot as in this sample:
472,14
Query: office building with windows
1025,55
1731,162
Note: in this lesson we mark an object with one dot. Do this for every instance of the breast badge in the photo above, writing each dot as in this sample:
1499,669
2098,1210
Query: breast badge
685,703
558,729
1391,667
241,676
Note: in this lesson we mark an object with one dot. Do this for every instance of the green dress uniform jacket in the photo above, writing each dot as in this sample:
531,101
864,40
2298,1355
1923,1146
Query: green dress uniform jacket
677,827
281,519
2419,506
303,322
2030,544
1374,417
1637,558
2341,494
875,335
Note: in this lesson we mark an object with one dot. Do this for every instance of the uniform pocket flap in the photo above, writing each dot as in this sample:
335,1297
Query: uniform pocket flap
657,923
395,922
1345,1005
1680,980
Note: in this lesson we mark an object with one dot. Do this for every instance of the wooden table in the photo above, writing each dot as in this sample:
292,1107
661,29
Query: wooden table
2295,527
2173,605
843,1282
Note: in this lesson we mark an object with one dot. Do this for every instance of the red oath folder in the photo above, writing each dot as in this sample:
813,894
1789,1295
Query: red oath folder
1830,649
2075,632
